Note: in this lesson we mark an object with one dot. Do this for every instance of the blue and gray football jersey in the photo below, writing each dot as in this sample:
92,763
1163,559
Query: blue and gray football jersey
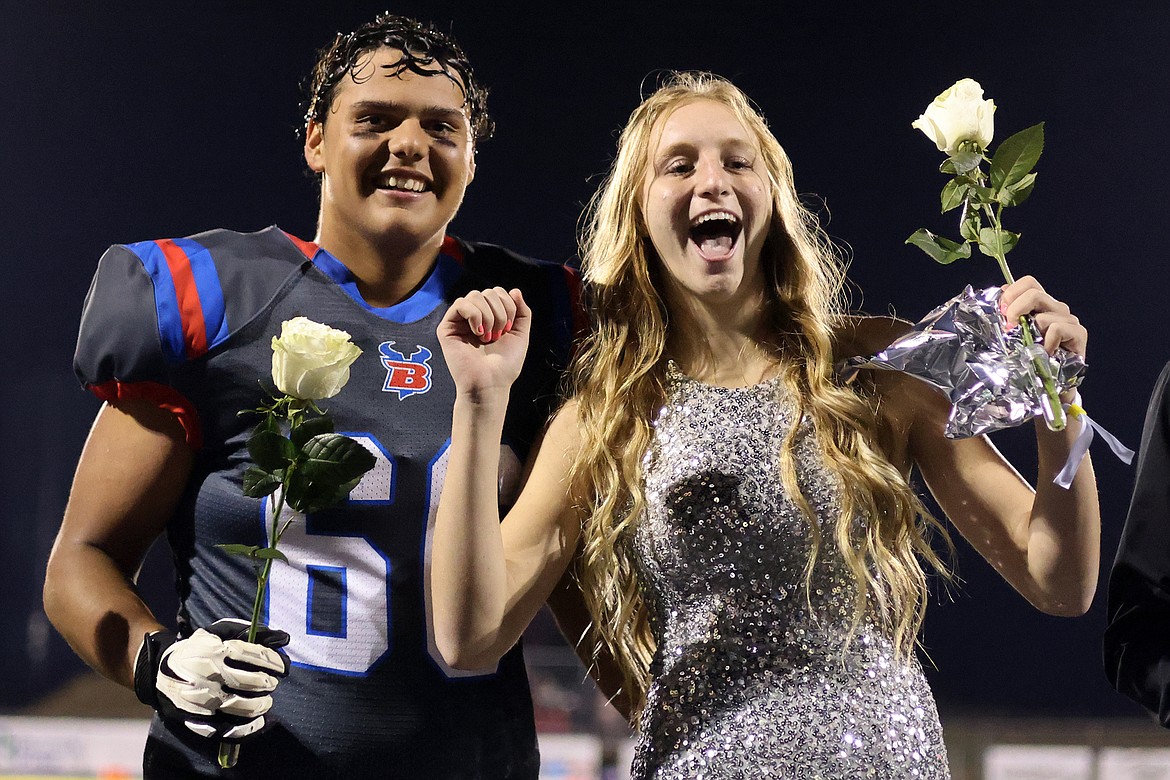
188,323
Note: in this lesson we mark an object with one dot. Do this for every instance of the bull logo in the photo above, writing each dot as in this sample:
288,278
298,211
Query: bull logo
405,374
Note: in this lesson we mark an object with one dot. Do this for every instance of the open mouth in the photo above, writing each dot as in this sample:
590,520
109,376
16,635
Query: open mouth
715,234
400,183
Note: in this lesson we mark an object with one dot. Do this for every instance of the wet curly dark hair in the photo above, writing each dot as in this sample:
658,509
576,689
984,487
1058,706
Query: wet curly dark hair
423,48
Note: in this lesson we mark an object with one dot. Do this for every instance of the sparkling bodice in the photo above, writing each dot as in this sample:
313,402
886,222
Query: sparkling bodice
755,673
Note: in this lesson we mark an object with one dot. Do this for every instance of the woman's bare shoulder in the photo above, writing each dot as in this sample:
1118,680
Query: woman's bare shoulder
564,428
865,335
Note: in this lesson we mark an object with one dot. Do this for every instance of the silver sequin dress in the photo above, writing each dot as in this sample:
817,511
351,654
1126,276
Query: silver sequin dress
748,681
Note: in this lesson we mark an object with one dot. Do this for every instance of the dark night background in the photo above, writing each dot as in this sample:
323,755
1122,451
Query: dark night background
140,120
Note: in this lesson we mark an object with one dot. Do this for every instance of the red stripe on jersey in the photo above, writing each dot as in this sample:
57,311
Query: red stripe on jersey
452,249
160,395
308,248
190,307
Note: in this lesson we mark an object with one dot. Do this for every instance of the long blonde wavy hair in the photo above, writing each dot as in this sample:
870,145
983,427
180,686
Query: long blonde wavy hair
619,382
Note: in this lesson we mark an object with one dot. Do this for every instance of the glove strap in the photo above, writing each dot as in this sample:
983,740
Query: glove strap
147,662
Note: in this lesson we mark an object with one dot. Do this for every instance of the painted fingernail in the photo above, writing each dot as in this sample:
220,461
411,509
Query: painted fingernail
508,327
479,330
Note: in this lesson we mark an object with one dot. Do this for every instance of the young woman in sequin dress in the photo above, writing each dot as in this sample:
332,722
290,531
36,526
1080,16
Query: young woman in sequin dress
738,520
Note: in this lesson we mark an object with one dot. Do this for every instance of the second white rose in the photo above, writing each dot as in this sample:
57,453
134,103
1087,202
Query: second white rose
957,115
311,361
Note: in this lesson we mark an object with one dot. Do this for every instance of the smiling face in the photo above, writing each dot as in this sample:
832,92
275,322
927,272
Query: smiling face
395,154
706,203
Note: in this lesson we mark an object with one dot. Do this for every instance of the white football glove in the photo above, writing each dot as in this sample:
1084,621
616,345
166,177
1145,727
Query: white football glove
215,682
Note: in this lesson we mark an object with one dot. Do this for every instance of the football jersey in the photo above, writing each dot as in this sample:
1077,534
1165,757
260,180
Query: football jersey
188,323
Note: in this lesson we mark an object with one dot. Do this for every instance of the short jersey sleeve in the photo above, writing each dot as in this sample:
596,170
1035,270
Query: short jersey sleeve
122,350
156,308
119,336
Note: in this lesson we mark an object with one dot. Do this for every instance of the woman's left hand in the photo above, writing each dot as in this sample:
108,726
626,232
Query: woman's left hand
484,336
1058,327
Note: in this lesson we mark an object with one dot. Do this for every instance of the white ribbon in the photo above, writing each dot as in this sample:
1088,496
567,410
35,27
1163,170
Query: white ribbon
1081,444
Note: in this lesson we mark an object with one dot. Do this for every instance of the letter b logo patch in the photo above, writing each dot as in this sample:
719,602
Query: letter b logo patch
405,374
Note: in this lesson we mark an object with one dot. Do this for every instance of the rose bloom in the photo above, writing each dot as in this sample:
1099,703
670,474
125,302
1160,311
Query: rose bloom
959,114
311,361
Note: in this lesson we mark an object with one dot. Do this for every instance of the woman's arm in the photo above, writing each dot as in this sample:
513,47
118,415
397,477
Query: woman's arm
489,579
1045,543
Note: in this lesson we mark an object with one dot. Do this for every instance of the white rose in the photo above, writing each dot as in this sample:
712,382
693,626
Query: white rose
959,114
311,361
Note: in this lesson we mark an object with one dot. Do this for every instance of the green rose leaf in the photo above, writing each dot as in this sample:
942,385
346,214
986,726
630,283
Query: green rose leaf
961,162
269,422
246,550
294,490
335,459
983,194
321,495
344,490
941,250
1017,193
993,241
314,426
266,553
270,451
1016,156
259,483
970,225
953,194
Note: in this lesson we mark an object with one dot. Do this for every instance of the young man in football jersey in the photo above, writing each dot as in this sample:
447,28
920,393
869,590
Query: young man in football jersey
174,338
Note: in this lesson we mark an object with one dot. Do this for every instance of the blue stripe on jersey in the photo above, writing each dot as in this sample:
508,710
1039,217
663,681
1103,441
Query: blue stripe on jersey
166,302
425,300
210,291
